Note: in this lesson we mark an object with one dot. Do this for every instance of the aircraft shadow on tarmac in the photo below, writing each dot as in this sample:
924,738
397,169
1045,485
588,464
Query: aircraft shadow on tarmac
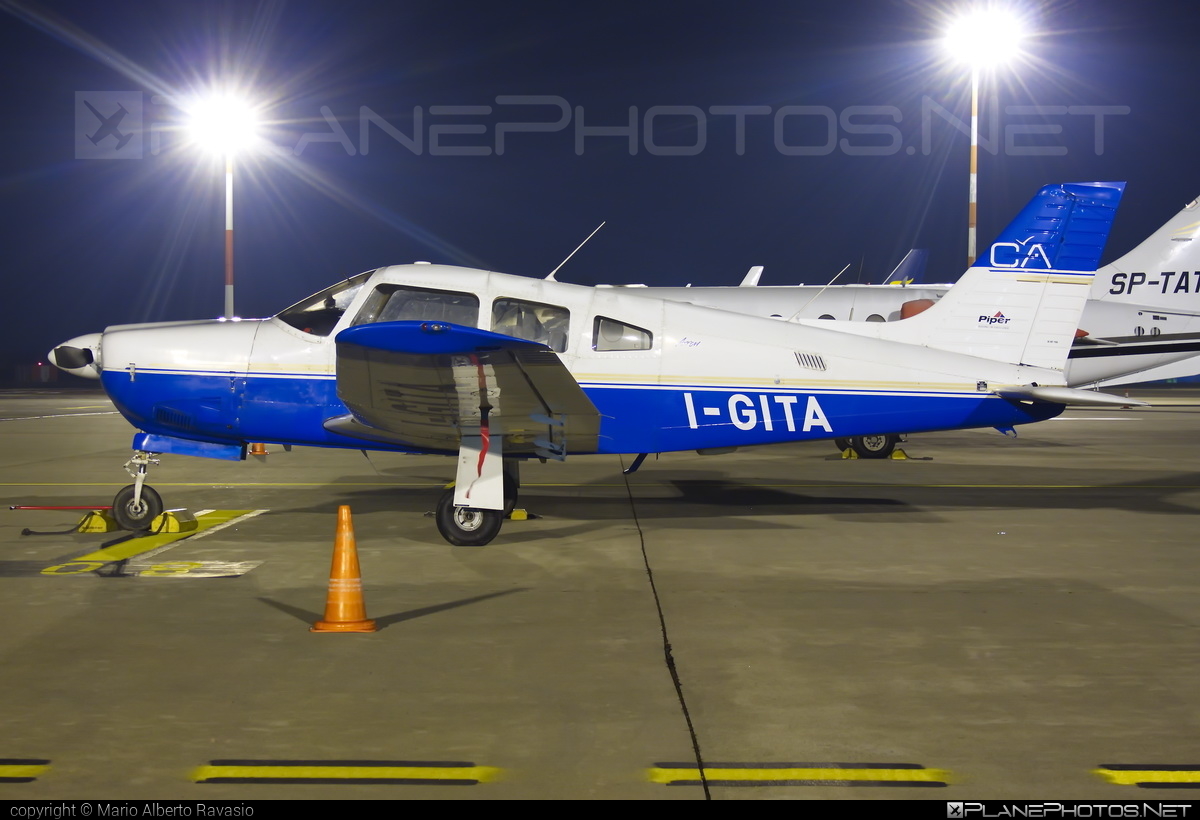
712,500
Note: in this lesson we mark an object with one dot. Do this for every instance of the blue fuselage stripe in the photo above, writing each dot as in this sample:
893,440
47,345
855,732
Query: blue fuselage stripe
225,407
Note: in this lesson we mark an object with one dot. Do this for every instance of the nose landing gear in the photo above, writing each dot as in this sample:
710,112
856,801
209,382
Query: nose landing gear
136,505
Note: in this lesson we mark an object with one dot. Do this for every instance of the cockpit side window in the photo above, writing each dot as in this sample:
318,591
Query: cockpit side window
400,303
532,321
609,334
320,313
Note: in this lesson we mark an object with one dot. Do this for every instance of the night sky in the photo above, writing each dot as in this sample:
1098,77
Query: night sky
838,164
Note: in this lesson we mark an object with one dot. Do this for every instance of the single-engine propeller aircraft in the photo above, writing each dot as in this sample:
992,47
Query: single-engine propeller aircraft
496,368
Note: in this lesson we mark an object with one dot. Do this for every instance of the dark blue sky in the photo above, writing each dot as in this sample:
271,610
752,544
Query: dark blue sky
854,176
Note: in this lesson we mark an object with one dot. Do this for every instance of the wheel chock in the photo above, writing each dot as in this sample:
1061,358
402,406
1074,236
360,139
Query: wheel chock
522,515
898,455
98,521
849,453
174,521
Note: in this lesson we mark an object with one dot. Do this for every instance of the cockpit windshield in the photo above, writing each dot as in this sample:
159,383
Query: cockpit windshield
320,313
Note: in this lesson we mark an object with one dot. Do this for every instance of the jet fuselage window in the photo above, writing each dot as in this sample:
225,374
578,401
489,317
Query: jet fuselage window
609,334
532,321
320,313
401,303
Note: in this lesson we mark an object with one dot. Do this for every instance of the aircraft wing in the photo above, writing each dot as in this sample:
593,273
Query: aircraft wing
427,384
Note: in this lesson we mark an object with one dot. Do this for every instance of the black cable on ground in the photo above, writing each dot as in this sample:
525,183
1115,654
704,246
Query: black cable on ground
670,658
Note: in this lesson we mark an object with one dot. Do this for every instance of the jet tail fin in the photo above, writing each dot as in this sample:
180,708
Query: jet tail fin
1162,270
751,278
1021,301
911,268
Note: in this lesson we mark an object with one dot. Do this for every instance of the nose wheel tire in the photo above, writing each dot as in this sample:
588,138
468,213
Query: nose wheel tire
466,526
880,446
136,517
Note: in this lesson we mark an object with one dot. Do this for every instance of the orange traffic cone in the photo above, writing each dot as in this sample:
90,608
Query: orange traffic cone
258,449
345,610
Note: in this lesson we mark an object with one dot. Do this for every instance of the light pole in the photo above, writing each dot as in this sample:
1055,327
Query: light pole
226,126
983,39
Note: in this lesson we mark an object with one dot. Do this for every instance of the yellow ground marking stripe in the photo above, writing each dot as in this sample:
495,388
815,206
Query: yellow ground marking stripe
483,774
651,483
1123,777
137,546
838,776
22,770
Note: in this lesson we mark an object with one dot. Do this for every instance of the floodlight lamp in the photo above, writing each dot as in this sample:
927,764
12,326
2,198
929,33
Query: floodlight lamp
985,38
223,124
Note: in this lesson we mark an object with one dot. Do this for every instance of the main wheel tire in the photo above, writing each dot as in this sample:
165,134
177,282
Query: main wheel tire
843,444
880,446
136,517
467,526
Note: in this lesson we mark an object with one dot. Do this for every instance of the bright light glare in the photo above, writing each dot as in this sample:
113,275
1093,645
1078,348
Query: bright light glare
223,124
985,38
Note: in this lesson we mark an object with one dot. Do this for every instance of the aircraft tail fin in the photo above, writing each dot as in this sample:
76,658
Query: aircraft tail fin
1021,300
1163,271
751,278
911,268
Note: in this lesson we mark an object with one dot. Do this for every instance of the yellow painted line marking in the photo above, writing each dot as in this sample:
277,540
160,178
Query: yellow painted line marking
137,546
1134,777
22,771
481,774
59,416
802,776
646,483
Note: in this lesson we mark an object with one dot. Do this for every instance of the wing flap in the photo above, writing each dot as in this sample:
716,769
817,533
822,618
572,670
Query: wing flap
427,384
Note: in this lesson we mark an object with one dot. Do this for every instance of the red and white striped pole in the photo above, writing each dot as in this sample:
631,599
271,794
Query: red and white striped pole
229,234
971,199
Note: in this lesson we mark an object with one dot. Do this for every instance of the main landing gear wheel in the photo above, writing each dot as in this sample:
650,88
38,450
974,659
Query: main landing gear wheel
880,446
136,517
467,526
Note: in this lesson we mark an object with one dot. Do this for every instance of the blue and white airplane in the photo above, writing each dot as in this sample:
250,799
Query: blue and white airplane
494,368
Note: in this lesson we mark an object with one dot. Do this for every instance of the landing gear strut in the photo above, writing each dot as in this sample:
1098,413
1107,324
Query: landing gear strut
136,505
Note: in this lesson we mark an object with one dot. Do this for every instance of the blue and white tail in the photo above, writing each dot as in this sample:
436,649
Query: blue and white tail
1020,302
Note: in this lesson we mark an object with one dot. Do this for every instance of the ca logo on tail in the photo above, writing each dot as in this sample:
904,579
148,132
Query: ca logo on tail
1016,255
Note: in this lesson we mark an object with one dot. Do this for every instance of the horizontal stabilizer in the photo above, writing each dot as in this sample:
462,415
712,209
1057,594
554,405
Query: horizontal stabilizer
1068,396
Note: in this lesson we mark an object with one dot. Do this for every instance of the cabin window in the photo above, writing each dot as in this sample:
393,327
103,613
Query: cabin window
875,317
401,303
532,321
609,334
320,313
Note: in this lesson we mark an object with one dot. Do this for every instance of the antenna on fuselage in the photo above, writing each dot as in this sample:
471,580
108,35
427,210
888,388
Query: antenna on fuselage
551,278
796,315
